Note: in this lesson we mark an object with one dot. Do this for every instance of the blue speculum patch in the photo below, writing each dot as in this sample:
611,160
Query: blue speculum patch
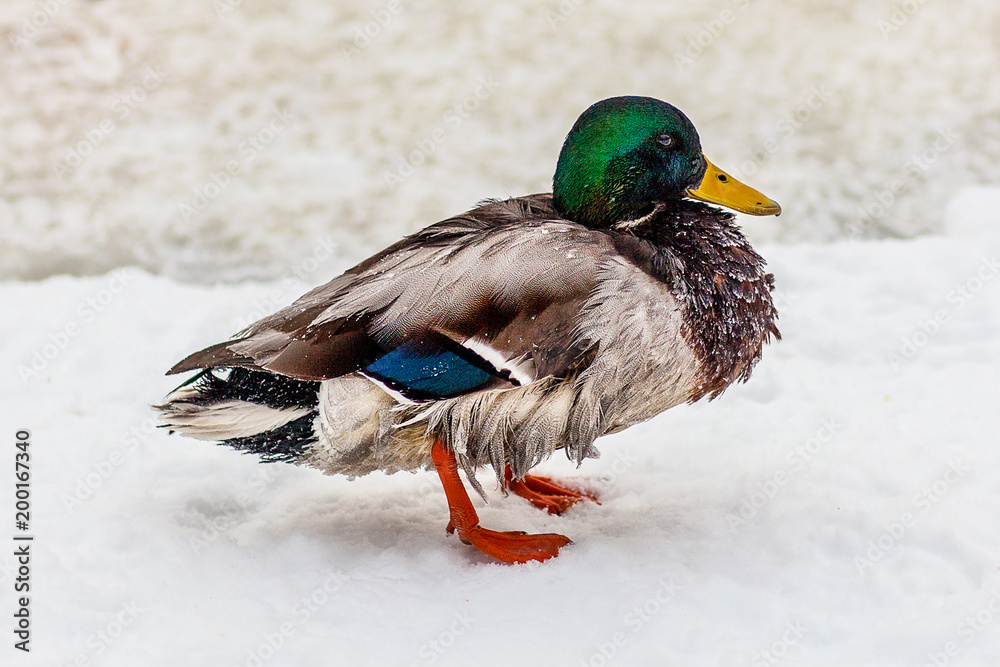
437,373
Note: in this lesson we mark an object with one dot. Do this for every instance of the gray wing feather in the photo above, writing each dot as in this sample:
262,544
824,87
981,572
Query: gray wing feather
514,284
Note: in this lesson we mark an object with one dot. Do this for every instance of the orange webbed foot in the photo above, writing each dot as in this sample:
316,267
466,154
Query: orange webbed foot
545,493
508,547
514,546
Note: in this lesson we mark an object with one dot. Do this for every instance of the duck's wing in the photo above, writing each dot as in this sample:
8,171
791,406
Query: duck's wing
466,304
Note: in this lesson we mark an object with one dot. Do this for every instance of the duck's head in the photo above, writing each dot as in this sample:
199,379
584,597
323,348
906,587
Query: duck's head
625,156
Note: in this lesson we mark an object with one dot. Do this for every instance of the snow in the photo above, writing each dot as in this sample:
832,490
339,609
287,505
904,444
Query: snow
840,508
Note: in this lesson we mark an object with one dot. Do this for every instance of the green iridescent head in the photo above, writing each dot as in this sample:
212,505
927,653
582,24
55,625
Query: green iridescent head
626,155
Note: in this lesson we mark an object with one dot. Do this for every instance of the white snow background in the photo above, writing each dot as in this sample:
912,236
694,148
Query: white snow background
842,508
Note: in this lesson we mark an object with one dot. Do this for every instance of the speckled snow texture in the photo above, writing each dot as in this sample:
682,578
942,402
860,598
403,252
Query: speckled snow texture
849,492
216,72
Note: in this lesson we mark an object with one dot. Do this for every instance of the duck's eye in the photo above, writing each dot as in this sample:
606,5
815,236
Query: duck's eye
665,140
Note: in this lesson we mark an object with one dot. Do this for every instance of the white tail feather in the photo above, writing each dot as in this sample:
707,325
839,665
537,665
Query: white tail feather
228,419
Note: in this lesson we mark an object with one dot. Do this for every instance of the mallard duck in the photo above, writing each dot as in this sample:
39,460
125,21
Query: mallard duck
523,326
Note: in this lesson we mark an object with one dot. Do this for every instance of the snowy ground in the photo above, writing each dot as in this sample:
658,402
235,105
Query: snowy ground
840,509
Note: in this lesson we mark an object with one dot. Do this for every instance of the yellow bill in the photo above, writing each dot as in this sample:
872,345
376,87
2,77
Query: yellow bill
718,187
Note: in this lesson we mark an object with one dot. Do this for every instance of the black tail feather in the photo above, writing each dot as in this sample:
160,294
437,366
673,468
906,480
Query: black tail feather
212,387
285,443
274,391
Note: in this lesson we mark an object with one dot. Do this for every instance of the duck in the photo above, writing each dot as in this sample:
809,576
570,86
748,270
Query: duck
521,327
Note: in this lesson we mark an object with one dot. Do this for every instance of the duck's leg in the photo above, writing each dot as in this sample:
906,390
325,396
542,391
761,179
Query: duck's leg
509,547
545,493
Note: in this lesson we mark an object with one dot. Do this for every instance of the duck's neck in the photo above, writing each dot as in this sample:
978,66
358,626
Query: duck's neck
709,265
